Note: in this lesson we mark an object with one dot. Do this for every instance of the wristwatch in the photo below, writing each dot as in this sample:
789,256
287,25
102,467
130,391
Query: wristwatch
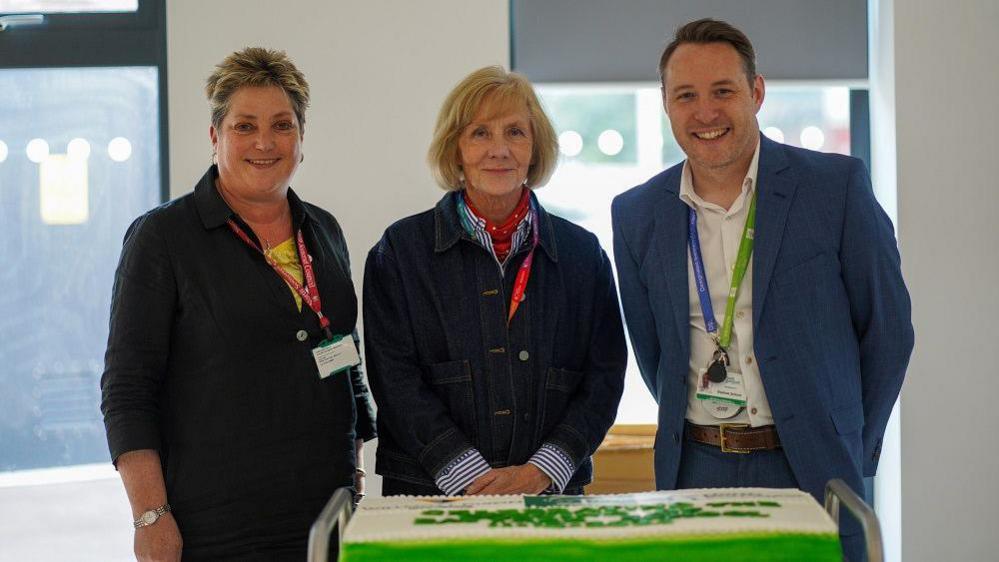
151,516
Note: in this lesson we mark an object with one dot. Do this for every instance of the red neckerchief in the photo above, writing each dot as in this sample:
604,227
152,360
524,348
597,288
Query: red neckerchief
502,233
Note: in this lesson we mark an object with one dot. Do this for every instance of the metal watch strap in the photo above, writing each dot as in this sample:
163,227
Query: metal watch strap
156,512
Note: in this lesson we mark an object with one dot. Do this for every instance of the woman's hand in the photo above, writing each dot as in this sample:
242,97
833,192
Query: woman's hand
359,472
159,542
359,484
142,474
520,479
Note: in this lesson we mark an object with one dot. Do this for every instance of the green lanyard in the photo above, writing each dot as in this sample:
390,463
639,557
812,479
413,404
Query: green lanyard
741,265
738,273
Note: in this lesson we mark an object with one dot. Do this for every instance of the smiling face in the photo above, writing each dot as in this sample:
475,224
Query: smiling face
258,144
711,106
495,151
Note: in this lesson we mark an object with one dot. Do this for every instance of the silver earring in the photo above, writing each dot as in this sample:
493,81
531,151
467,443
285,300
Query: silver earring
302,158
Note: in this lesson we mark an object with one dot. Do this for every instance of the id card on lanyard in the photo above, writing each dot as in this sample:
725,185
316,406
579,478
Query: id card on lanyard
335,353
718,387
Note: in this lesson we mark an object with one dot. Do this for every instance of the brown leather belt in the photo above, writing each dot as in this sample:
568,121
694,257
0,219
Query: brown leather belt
735,437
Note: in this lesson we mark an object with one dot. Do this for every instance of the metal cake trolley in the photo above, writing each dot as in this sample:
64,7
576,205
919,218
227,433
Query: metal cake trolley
337,512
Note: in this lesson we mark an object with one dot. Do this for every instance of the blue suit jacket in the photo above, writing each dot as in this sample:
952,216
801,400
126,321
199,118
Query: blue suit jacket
831,315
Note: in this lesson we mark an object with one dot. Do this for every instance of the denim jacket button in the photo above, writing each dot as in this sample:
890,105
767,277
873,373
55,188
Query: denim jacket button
302,335
524,355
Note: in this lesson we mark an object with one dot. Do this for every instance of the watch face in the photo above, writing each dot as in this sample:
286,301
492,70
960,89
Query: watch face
149,517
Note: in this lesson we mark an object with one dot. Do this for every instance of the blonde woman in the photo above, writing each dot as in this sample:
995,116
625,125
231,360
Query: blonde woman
228,427
493,336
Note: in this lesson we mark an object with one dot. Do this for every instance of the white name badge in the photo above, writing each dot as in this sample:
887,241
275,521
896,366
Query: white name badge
723,399
333,356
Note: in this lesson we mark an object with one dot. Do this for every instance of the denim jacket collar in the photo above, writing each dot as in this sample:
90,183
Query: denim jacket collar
214,211
448,229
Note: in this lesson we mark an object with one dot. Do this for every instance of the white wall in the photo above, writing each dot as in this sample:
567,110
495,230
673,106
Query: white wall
378,72
946,80
888,483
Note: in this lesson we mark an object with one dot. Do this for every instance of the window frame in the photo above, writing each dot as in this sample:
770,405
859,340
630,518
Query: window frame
99,39
92,40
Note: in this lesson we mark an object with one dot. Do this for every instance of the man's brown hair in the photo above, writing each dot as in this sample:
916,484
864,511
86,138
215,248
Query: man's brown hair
709,30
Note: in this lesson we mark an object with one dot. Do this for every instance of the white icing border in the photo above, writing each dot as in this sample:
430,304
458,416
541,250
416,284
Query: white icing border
391,519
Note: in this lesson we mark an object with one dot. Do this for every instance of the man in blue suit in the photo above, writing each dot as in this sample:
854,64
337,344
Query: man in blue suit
762,291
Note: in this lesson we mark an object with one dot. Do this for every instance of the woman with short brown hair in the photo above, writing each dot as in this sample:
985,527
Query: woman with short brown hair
230,423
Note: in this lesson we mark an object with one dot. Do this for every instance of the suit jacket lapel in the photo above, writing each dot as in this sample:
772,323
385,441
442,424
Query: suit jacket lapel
671,245
775,188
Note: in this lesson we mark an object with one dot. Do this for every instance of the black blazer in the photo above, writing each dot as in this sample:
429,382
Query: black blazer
209,362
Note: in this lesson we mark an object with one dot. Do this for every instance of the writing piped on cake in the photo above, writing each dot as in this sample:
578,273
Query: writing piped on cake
598,516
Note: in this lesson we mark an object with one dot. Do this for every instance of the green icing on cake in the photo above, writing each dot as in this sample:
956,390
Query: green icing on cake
589,516
739,547
760,503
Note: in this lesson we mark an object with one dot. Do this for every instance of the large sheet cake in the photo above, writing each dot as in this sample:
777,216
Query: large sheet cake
730,524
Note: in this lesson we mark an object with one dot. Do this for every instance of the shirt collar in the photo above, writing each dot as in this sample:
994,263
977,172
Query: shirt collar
449,230
215,212
479,227
693,200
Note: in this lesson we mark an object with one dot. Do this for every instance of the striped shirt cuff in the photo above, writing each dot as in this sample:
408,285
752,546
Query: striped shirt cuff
556,464
461,472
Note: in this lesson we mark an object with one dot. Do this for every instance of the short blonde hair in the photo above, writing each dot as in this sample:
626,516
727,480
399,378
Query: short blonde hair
256,66
502,90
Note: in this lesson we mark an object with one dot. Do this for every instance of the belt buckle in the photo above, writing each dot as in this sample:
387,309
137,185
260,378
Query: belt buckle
721,437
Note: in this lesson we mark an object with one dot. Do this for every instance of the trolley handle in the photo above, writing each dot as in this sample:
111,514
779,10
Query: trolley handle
837,494
335,514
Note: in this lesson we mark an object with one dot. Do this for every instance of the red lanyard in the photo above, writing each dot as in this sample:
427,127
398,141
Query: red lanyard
310,292
524,273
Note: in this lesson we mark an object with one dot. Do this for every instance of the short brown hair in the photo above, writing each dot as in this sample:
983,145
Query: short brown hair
708,30
501,90
256,66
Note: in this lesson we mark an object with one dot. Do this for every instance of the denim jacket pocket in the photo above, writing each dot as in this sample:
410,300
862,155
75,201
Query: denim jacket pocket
451,381
560,385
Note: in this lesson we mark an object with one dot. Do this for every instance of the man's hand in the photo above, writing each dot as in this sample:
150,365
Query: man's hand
159,542
520,479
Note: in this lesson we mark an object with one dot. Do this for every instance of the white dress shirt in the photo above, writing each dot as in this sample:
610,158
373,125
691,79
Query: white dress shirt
720,233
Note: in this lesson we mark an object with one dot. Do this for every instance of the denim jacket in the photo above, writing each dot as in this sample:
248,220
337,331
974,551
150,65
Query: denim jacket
449,374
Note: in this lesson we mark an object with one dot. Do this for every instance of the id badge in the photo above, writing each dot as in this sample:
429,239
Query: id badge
724,399
335,355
